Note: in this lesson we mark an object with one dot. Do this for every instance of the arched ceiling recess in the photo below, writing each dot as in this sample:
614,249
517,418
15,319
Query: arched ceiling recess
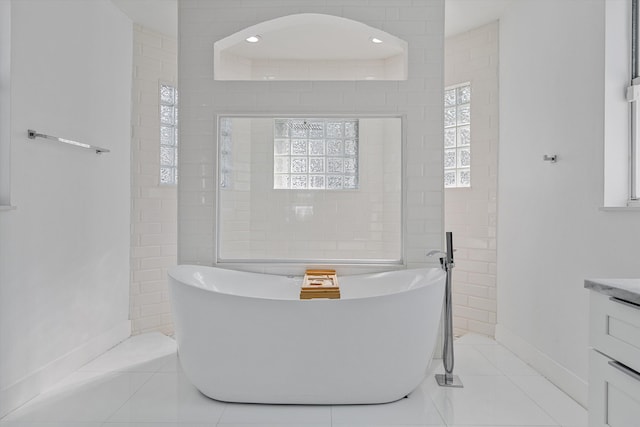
311,46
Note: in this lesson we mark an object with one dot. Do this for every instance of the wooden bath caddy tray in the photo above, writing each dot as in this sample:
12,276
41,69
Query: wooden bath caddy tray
320,284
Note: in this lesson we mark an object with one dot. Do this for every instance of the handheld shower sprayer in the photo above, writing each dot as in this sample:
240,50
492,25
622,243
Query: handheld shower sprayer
446,262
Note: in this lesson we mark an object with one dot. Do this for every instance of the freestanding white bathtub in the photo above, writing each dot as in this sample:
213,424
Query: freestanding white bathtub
247,337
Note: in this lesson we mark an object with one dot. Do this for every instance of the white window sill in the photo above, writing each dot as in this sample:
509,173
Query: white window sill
620,208
7,208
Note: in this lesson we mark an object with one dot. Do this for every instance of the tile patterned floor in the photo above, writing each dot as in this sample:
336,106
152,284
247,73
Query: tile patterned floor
140,384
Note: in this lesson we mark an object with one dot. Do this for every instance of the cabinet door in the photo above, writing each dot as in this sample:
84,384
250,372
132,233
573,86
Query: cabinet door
614,393
615,329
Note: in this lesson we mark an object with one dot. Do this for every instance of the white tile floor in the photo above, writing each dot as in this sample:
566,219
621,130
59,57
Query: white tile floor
140,384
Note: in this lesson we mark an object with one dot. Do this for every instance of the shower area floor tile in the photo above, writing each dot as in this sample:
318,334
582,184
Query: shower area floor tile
139,383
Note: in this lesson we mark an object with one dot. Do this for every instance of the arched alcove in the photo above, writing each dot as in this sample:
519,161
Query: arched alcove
310,46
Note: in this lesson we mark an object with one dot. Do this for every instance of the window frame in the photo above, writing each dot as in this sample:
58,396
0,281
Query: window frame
633,96
5,106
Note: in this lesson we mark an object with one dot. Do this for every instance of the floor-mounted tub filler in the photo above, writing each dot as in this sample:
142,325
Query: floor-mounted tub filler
247,337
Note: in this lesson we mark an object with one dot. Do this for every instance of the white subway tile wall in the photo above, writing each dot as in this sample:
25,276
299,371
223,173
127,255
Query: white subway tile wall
154,206
418,100
470,213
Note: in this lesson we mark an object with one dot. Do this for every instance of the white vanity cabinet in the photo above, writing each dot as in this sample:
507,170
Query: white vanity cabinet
614,359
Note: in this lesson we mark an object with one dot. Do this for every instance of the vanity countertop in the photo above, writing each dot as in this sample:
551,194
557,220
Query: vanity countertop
626,289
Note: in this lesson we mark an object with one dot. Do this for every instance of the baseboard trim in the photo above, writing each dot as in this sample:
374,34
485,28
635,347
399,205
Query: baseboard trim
559,375
33,384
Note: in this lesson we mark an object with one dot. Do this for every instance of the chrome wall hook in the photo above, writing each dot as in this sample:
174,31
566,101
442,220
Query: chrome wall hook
550,158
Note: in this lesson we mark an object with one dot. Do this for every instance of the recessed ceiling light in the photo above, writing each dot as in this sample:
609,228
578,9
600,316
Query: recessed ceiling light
253,39
375,40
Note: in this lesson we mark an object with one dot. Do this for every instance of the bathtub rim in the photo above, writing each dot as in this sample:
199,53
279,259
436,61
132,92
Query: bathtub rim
431,281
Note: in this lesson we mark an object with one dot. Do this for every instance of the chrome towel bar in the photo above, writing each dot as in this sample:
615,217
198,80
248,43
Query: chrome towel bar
33,135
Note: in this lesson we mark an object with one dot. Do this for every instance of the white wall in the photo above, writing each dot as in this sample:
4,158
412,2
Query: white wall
552,234
470,213
154,212
64,252
419,22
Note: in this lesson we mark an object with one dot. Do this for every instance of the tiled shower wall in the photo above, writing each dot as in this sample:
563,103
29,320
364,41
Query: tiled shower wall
154,206
470,213
419,99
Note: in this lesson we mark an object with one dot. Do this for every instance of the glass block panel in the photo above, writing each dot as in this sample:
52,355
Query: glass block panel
298,129
449,97
335,165
450,137
464,177
350,147
334,182
350,165
225,147
167,135
166,176
464,157
350,182
316,147
334,129
464,114
316,130
464,135
464,94
166,156
281,147
281,182
350,129
303,142
298,165
457,136
449,159
167,94
281,164
298,182
167,115
450,116
316,182
281,128
298,147
225,127
225,180
316,165
334,147
450,179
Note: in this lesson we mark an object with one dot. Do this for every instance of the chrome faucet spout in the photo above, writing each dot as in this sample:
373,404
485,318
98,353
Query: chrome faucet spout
436,252
446,258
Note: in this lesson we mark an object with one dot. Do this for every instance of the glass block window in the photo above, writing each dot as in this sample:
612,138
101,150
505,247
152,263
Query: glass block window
168,135
225,143
457,136
315,154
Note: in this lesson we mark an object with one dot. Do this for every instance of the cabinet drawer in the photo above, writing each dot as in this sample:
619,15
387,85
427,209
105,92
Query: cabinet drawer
615,329
614,393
